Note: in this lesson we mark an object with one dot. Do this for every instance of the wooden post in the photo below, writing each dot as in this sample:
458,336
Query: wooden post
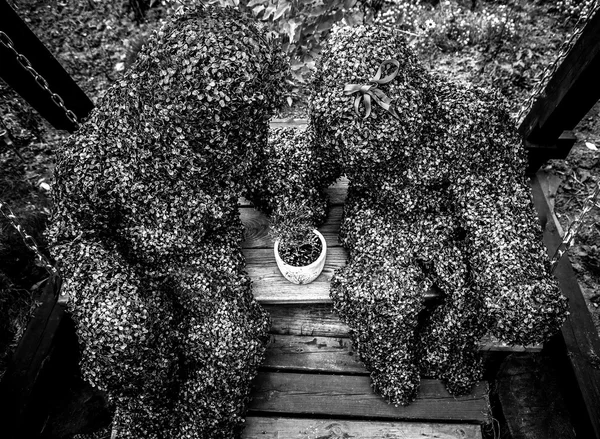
581,340
60,82
22,414
567,97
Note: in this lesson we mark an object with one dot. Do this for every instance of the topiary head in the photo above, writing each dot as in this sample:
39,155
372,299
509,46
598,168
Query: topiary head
347,76
212,77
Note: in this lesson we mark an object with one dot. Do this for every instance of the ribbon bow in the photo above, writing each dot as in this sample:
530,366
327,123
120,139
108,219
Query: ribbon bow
370,90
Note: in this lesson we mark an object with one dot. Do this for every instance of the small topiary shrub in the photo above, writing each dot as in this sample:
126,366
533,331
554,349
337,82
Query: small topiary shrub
147,233
437,199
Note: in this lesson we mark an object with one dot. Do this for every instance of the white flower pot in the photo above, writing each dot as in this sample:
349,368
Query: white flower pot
306,274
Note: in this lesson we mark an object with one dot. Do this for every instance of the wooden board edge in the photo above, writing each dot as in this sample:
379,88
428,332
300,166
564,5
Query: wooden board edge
30,358
352,397
263,427
579,333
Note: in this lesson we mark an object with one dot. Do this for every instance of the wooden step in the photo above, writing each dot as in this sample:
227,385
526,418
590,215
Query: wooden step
333,354
312,354
291,428
269,285
321,322
351,396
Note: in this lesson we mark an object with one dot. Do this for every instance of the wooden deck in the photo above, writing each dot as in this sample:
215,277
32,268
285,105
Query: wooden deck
311,384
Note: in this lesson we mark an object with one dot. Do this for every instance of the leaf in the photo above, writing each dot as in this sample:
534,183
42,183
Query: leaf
292,28
257,10
591,146
317,12
282,9
269,11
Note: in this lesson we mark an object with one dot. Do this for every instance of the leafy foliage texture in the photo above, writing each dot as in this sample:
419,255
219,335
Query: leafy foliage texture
147,233
290,191
437,200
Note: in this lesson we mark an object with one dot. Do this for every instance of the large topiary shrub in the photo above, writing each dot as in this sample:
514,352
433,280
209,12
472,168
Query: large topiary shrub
147,233
437,200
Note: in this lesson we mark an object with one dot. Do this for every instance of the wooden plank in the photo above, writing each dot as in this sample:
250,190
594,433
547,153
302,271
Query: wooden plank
579,333
317,320
538,154
352,396
336,192
60,82
312,354
336,355
256,225
290,428
320,321
271,287
571,91
491,344
32,353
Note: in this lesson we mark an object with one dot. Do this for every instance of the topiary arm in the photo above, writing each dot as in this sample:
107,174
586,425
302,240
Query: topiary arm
508,262
290,184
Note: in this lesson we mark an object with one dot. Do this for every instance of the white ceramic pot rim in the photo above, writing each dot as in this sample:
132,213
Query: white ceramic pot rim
312,264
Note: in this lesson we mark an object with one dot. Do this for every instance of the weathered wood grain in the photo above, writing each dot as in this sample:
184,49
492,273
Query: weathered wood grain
579,333
336,355
271,287
312,354
347,395
256,226
317,320
289,428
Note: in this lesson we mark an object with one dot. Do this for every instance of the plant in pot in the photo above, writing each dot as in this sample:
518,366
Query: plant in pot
299,248
290,189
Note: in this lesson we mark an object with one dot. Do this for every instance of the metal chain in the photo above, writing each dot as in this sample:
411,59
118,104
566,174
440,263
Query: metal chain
565,48
27,238
575,226
39,79
538,91
5,211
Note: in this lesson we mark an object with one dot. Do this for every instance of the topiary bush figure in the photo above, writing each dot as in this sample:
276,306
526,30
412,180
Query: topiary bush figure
147,233
437,201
